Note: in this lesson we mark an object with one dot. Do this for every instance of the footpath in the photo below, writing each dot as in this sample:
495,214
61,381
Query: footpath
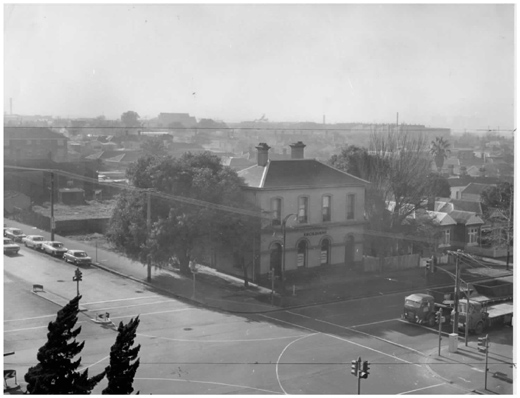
227,293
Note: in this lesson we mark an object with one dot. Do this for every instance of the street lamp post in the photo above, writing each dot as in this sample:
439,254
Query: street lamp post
284,224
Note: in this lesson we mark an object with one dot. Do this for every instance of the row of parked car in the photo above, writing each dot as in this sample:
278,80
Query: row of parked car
38,242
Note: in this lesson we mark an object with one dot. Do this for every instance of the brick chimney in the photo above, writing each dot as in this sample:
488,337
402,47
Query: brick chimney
297,150
262,155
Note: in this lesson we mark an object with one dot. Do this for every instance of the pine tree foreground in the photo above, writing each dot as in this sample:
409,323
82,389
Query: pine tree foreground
56,372
120,373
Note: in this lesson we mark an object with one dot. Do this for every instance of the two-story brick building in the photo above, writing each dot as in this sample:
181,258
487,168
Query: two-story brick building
320,209
30,143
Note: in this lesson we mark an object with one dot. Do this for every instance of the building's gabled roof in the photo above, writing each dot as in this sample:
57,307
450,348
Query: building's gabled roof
237,163
460,204
474,188
297,173
441,218
24,133
466,217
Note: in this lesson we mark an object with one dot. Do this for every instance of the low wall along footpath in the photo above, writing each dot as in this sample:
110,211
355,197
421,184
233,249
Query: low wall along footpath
64,227
395,263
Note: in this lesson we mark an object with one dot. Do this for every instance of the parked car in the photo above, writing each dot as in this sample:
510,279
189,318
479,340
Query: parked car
77,257
10,247
54,248
34,241
14,234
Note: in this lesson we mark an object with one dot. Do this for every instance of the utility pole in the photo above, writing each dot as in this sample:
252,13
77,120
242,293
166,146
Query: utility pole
53,223
509,226
149,228
466,331
456,298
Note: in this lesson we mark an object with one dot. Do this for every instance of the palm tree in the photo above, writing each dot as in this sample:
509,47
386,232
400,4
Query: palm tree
440,151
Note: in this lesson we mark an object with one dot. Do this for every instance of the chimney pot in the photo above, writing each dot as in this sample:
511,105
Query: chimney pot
263,154
297,150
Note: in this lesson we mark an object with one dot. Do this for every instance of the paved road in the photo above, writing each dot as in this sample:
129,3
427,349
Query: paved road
192,350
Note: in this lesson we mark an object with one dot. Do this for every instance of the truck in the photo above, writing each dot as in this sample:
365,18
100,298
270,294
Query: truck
421,308
490,303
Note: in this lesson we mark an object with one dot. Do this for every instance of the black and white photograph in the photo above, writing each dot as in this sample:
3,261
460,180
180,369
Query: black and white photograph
259,198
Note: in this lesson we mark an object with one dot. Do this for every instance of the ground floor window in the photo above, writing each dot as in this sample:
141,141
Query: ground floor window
302,254
325,252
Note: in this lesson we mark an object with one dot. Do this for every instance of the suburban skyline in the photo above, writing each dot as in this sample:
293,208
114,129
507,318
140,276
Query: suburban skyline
439,65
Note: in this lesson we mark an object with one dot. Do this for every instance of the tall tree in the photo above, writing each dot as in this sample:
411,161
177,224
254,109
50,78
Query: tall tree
123,360
398,169
56,372
154,147
440,151
186,228
130,119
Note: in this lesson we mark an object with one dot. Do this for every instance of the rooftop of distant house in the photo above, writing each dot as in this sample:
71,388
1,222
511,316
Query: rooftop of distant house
23,133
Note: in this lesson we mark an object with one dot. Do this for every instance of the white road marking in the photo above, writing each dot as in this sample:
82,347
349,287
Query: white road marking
366,334
339,338
28,319
36,327
280,357
289,323
375,337
220,341
374,323
95,363
150,313
125,299
207,382
420,389
127,306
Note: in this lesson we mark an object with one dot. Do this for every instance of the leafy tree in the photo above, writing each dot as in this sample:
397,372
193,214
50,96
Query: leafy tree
56,372
439,186
130,119
188,228
121,371
440,151
154,147
498,197
398,171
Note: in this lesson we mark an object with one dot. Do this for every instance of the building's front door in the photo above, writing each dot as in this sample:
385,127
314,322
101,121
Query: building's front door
349,251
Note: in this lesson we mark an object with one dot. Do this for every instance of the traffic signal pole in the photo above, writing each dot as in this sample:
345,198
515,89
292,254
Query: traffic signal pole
53,223
439,320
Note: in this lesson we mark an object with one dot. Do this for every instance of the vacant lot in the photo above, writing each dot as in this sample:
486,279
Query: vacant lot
91,209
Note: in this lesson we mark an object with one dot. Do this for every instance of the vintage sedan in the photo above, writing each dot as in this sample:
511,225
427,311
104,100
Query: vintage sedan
10,247
34,241
54,248
14,234
77,257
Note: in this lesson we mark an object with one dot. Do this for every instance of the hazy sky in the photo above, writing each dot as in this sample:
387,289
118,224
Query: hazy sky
438,65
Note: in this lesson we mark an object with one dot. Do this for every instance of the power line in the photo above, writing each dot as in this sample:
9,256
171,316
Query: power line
154,193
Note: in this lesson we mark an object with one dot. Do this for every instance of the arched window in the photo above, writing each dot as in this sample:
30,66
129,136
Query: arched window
325,252
302,254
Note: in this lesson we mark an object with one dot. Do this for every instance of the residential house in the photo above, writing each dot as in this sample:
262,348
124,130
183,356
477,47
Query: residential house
467,231
473,191
30,143
321,208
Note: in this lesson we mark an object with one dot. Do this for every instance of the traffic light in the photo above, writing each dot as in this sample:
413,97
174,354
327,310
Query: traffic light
354,368
482,344
428,264
77,275
438,317
365,371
